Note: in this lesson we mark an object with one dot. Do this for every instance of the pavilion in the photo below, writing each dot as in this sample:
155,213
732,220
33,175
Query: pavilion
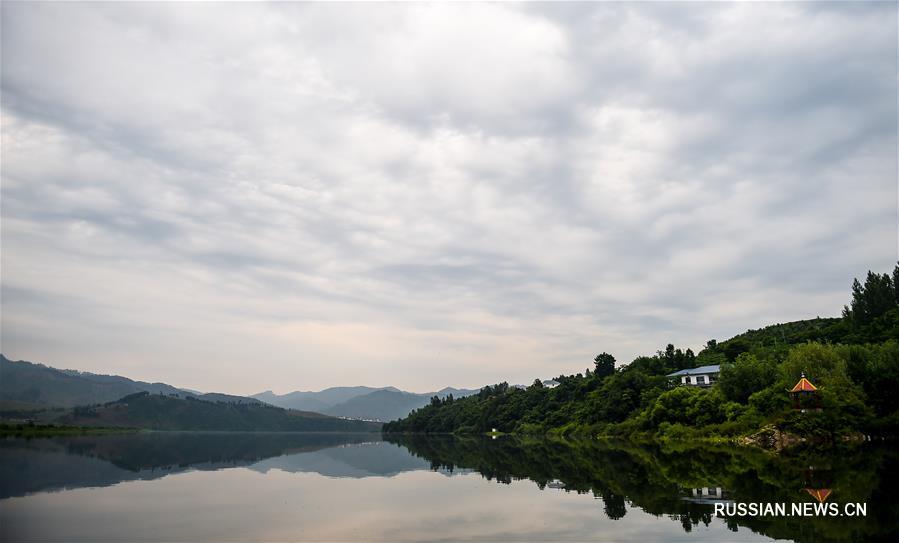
805,395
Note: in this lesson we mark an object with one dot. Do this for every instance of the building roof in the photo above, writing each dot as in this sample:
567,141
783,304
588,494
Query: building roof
820,494
697,371
804,385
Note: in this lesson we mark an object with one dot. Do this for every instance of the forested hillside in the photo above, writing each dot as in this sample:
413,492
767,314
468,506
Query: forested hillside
853,360
27,385
160,412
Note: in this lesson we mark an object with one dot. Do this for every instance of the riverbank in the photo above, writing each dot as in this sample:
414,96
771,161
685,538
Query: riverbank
769,438
52,430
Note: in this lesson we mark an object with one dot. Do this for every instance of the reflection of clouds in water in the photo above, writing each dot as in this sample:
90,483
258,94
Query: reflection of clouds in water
356,460
54,464
221,486
242,504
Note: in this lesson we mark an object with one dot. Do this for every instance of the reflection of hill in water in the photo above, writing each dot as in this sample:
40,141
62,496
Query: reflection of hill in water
670,481
28,466
51,468
357,460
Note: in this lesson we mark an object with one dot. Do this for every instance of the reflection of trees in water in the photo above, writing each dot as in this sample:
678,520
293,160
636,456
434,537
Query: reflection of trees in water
613,505
655,478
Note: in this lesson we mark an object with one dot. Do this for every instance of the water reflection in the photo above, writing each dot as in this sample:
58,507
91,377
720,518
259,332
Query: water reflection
708,495
309,486
684,482
28,466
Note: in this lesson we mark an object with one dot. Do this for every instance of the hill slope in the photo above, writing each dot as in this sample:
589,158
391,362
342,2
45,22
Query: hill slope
25,386
361,402
315,400
304,401
379,405
159,412
26,383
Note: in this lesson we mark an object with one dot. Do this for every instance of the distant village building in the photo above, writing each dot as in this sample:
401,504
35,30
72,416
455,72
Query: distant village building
550,383
703,376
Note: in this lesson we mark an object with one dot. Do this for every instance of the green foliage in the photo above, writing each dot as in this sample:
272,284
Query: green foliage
873,299
47,430
605,365
745,376
735,348
689,406
620,396
876,369
769,401
677,359
160,412
821,364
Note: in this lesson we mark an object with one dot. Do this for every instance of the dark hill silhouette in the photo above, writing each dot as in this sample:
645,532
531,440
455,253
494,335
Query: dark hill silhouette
160,412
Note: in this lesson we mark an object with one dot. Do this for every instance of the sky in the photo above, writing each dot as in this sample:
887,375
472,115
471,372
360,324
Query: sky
289,196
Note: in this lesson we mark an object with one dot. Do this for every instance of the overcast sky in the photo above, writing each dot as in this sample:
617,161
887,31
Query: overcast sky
240,197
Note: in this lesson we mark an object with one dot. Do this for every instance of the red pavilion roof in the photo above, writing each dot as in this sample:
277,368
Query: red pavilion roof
820,494
804,385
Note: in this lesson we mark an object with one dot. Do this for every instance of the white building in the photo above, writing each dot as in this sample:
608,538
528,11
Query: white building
703,376
709,494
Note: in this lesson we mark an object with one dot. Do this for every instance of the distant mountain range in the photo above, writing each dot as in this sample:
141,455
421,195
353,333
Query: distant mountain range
24,385
382,404
28,386
315,401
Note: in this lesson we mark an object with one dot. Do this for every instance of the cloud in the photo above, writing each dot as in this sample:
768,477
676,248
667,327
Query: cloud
241,197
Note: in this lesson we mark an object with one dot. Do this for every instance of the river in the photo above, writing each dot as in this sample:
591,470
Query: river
362,487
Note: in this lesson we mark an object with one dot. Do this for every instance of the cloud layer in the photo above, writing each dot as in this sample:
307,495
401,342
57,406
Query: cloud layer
237,197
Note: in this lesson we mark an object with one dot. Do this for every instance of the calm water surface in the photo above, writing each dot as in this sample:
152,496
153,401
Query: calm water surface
329,487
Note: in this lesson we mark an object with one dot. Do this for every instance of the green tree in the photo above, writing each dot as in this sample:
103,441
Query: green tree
690,358
896,284
871,300
613,505
690,406
620,395
669,354
876,369
745,376
605,365
735,348
822,364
